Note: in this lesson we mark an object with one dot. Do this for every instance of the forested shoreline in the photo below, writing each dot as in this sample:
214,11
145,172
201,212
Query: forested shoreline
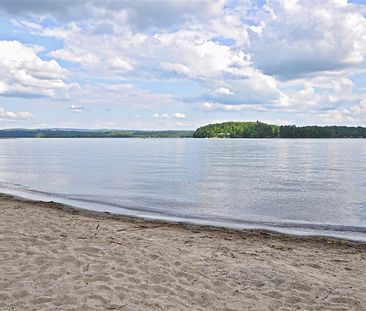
217,130
71,133
263,130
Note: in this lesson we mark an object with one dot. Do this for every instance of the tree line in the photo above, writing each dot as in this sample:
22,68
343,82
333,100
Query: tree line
263,130
60,133
217,130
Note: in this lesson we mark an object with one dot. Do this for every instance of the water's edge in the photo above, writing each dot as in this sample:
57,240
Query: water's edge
99,210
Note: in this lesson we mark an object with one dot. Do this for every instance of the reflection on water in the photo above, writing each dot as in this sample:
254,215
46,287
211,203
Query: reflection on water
301,185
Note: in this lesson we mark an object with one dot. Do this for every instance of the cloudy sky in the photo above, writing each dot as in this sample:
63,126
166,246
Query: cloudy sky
178,64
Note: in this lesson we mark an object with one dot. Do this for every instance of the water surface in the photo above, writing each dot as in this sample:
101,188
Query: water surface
301,186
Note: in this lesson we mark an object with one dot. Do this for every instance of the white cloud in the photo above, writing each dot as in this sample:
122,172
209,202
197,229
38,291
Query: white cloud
176,115
292,57
188,54
26,24
118,63
120,52
76,108
212,106
223,91
11,116
320,94
184,52
77,55
228,73
24,74
355,114
179,115
299,38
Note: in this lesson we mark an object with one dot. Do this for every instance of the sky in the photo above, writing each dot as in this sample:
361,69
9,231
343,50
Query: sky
158,64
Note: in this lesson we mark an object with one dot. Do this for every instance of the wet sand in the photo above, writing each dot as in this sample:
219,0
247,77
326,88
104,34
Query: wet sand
56,258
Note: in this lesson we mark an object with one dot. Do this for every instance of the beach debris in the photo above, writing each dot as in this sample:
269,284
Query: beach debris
348,268
115,307
112,240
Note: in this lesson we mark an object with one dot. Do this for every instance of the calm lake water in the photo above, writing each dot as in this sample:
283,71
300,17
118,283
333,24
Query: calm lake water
300,186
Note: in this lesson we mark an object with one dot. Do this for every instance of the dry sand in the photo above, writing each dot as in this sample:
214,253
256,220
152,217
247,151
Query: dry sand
56,258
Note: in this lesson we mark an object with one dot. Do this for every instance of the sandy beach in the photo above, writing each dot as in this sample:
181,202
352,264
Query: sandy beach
56,258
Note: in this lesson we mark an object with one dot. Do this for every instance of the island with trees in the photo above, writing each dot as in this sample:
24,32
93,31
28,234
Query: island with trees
263,130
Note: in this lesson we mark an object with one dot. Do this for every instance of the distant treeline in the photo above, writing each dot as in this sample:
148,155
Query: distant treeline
219,130
60,133
263,130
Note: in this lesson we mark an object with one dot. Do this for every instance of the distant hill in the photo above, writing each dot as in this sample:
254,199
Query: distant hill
72,133
263,130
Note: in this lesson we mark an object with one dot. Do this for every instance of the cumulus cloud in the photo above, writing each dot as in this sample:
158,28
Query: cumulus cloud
187,53
300,38
179,115
12,116
294,57
352,115
24,74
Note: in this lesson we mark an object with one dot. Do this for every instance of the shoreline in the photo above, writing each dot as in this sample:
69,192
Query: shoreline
60,258
256,227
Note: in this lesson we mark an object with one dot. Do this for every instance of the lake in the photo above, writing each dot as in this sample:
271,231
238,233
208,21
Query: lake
297,186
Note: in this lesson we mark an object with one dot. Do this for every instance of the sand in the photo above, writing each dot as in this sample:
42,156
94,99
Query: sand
56,258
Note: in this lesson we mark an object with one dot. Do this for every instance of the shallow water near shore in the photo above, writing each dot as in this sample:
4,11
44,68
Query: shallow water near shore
298,186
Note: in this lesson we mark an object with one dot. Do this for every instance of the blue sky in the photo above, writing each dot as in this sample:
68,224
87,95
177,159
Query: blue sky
181,64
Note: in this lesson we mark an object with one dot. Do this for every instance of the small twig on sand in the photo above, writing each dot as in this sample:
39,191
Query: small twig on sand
112,240
115,307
